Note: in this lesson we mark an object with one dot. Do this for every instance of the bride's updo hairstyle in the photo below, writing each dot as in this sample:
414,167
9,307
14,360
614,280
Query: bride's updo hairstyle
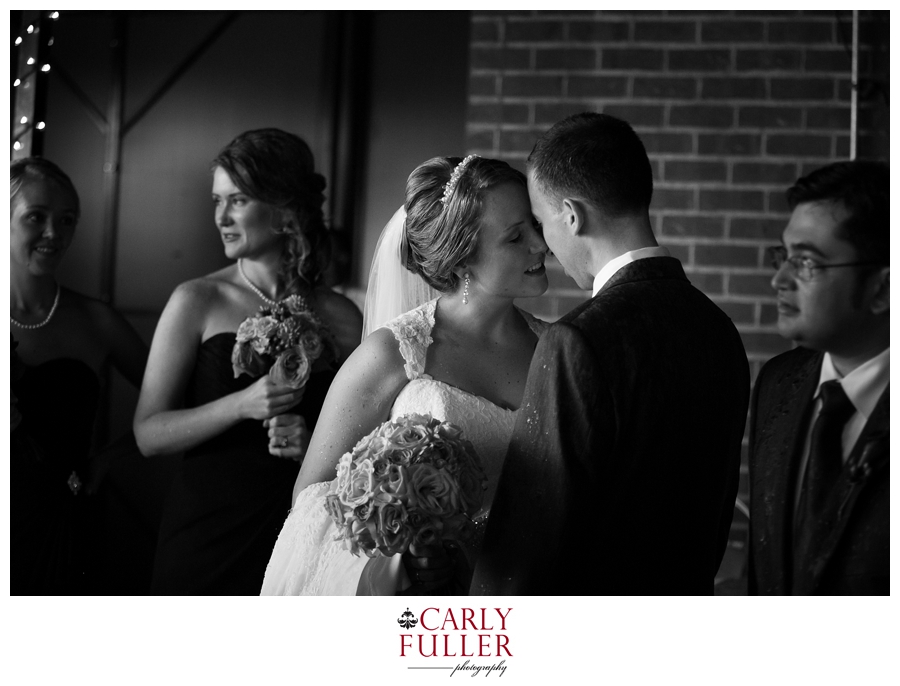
440,237
29,168
277,168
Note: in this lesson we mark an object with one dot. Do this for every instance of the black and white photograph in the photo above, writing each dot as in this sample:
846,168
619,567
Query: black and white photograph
561,335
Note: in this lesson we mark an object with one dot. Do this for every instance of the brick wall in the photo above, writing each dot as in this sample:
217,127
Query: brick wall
732,107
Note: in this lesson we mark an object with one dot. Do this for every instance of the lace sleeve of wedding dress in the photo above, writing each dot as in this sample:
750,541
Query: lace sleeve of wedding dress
413,333
393,289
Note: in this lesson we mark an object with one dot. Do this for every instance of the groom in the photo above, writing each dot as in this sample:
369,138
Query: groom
623,467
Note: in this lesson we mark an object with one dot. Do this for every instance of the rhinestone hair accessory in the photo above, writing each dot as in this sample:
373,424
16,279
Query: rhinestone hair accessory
454,179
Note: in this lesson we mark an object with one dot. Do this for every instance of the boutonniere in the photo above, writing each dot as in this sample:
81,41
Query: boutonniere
873,455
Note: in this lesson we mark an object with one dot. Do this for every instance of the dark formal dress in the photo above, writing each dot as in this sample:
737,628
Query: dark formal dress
623,467
851,555
230,497
54,532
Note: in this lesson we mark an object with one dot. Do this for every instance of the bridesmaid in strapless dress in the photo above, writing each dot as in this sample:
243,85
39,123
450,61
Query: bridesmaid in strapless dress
242,438
469,234
61,341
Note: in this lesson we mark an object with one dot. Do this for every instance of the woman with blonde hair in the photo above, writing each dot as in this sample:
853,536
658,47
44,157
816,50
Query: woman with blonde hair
63,343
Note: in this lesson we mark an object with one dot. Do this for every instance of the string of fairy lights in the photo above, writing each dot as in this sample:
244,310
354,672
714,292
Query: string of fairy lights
33,64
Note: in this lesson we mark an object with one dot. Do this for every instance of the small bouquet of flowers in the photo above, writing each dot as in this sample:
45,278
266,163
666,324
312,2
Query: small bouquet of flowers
412,480
283,341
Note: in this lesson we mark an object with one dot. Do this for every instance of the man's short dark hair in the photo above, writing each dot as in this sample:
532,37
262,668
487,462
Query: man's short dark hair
596,157
863,188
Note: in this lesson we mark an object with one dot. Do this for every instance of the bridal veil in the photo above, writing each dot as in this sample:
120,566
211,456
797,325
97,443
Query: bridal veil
393,289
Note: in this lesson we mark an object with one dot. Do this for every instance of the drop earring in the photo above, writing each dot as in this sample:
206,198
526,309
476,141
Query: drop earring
466,290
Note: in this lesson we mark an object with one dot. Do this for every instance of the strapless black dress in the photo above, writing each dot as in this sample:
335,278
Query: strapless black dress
230,497
54,533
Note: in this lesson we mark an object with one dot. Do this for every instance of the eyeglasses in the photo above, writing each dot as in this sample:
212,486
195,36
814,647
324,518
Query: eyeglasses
804,268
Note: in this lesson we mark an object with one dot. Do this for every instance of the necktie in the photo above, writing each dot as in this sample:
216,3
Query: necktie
822,472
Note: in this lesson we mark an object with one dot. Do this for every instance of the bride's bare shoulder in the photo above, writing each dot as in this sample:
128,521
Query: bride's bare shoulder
380,353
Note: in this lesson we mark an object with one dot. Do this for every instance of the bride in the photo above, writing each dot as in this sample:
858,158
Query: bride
467,234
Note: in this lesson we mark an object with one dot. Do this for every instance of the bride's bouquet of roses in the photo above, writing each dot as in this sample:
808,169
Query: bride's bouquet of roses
284,341
412,480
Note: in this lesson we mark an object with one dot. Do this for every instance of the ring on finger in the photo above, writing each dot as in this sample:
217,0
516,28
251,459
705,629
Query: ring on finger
284,442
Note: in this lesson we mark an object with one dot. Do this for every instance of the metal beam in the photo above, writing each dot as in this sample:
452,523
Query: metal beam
351,118
181,69
93,111
113,157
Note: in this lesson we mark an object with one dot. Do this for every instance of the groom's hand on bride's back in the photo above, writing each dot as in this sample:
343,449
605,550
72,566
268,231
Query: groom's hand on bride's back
434,570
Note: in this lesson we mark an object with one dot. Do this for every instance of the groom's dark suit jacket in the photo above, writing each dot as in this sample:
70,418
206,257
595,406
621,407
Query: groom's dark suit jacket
623,467
854,552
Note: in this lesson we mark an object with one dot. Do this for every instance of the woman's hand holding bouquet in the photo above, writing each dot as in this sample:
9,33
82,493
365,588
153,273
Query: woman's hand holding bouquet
281,344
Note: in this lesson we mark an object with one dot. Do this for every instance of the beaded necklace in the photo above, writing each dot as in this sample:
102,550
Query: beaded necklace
46,320
252,286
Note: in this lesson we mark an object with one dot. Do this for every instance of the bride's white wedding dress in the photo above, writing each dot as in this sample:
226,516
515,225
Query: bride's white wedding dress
307,560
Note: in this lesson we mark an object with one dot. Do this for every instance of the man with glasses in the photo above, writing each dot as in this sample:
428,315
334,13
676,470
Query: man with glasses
819,433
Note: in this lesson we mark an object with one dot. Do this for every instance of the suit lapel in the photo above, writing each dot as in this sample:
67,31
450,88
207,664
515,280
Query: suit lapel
868,456
783,438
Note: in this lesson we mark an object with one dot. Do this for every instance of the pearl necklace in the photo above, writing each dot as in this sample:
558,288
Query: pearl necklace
252,286
46,321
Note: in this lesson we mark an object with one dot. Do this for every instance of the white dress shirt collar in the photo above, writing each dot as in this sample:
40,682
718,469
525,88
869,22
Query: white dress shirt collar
865,384
617,263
